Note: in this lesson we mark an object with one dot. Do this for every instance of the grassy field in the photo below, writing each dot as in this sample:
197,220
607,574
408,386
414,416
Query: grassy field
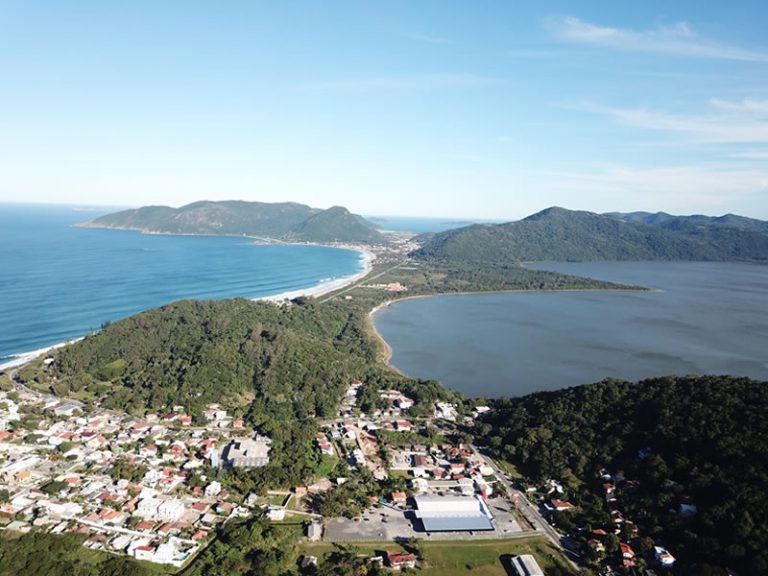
449,558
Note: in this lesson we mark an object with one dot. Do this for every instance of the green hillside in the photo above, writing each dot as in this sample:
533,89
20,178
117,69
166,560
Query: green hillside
670,221
557,234
667,442
336,224
277,366
285,221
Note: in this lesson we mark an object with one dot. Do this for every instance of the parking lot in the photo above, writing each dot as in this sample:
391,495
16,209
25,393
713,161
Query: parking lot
382,523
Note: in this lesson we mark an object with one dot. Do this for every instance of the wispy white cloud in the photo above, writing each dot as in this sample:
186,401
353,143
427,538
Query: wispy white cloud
707,187
727,122
747,105
679,40
750,155
404,82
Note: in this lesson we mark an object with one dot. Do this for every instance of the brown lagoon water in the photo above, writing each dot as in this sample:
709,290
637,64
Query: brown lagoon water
707,318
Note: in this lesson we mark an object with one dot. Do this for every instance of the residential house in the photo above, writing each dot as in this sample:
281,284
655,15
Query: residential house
401,560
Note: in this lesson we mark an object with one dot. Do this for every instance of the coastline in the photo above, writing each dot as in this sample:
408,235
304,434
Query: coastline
25,357
326,287
386,355
323,288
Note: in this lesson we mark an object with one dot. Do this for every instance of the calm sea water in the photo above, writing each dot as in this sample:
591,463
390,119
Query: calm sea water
58,282
708,318
420,225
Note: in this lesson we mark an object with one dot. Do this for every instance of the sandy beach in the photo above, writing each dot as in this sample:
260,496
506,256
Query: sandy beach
21,359
329,286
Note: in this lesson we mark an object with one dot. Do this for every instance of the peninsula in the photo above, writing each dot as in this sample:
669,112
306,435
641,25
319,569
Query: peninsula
284,221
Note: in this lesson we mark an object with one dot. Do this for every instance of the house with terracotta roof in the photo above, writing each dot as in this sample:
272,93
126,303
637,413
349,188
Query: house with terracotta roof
144,526
400,560
626,551
146,552
560,505
398,497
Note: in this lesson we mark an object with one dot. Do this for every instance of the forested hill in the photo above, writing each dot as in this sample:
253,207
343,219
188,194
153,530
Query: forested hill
336,225
701,441
672,222
277,366
284,221
557,234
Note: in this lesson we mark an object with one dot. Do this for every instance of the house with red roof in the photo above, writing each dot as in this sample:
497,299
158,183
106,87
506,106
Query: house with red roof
560,505
145,526
626,551
400,560
144,552
398,497
403,426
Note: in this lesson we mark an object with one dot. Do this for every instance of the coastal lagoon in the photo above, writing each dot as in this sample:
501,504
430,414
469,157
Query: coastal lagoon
703,318
58,282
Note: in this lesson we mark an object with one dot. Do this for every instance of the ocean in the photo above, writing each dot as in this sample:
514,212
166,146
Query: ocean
421,225
58,282
706,318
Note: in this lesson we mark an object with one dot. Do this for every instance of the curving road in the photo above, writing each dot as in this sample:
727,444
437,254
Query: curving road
528,510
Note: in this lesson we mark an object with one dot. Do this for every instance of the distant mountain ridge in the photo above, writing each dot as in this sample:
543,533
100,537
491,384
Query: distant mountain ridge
287,221
557,234
672,222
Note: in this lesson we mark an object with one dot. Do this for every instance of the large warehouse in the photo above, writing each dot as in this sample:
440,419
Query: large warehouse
453,513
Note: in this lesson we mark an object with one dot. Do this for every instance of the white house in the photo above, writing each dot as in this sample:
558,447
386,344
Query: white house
145,552
213,489
171,509
664,557
276,513
147,507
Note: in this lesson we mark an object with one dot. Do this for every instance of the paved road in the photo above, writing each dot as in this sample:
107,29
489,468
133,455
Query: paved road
528,510
22,388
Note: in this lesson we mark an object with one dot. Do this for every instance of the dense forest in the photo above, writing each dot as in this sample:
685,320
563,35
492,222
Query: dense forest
669,443
283,220
673,222
556,234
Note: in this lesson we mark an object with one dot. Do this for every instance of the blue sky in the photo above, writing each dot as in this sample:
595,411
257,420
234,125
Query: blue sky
451,109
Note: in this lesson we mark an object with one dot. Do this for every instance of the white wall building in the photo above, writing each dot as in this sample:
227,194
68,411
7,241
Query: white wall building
171,509
213,489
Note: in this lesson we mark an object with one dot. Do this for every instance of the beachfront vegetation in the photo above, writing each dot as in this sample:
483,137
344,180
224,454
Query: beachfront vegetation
669,442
